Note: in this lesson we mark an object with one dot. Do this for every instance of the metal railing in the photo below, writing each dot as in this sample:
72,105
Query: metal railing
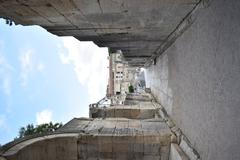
104,102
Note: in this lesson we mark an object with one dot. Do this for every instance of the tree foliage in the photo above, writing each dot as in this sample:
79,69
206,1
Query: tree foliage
43,128
9,22
130,89
110,50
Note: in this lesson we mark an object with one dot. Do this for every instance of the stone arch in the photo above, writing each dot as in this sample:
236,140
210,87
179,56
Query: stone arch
49,147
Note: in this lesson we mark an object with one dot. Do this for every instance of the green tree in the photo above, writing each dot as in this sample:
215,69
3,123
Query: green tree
43,128
110,51
130,89
9,22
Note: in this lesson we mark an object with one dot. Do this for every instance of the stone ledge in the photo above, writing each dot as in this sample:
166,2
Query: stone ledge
178,137
176,153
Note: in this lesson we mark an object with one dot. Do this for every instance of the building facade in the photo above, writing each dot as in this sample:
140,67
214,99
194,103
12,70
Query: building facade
121,75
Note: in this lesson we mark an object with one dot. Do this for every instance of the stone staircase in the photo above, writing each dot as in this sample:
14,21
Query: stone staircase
121,138
134,131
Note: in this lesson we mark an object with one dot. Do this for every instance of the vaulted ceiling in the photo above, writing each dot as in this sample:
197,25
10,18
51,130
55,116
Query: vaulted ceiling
137,27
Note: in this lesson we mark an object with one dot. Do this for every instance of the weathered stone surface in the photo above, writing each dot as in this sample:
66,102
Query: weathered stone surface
188,149
142,111
138,97
197,81
48,147
176,153
115,24
113,138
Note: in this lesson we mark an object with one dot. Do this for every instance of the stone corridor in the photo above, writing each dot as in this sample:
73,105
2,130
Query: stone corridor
190,49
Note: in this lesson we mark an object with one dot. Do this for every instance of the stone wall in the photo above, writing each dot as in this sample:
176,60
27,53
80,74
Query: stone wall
197,80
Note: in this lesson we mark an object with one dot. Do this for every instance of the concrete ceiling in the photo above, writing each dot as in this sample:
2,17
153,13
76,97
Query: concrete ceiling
137,27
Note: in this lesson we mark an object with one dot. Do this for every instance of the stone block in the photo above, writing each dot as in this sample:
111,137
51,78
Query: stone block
176,153
188,149
152,149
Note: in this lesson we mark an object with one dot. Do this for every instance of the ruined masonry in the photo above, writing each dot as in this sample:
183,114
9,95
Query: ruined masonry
134,131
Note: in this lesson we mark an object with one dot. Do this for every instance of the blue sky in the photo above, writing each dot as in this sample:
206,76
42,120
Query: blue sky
46,78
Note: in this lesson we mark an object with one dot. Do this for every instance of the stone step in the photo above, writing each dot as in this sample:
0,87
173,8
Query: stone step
144,110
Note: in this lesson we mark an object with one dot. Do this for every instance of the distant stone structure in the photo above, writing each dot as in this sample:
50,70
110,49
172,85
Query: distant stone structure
121,75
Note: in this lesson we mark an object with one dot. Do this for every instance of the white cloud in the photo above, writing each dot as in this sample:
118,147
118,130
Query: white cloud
45,116
7,86
5,75
3,124
26,59
1,60
40,67
5,65
90,65
2,121
26,66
